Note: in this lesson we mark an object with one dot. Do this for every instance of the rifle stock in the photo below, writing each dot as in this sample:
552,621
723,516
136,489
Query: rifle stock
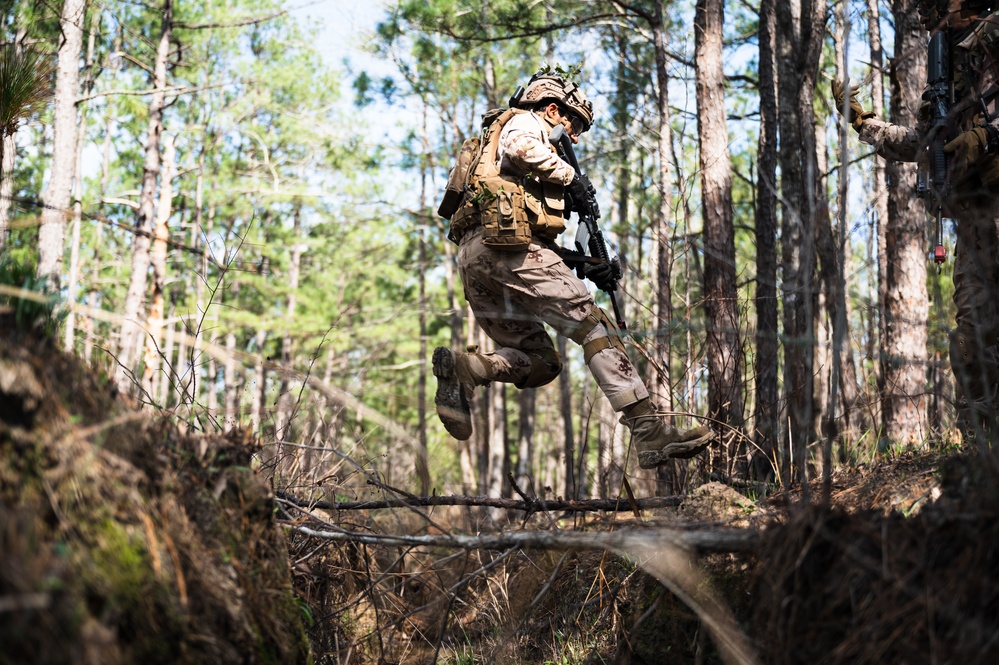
589,237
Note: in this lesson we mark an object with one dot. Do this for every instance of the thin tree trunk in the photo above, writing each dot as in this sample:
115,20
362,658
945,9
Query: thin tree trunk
525,439
906,306
135,297
58,194
496,470
765,421
81,135
9,146
231,397
158,258
723,347
844,371
661,382
422,467
283,418
115,63
258,396
880,192
800,25
8,157
565,403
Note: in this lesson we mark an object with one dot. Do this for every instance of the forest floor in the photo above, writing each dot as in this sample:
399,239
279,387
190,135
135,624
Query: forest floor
126,538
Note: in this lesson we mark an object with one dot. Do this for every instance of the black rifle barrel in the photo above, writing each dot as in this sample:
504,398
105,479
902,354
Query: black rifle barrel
588,214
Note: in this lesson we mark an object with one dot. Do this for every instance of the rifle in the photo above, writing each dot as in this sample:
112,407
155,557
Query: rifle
589,237
935,184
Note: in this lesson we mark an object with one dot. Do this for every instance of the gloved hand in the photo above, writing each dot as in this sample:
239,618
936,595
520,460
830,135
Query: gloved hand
966,149
602,275
577,190
856,115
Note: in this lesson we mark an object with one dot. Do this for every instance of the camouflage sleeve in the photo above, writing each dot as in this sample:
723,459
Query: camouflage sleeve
893,142
524,146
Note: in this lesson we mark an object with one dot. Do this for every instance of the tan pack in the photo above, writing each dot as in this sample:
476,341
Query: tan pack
511,210
455,190
488,198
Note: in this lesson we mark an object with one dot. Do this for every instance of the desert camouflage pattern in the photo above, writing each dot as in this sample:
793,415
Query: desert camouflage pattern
973,204
513,294
524,148
893,142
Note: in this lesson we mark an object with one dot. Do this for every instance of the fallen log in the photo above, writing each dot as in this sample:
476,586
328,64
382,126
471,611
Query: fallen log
702,541
528,506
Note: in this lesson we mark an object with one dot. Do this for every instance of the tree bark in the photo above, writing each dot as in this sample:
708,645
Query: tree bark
141,241
282,421
904,355
158,259
661,235
880,189
58,194
81,135
766,426
800,28
525,439
723,348
565,403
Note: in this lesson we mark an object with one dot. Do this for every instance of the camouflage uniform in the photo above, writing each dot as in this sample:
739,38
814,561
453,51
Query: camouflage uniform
973,203
513,293
505,210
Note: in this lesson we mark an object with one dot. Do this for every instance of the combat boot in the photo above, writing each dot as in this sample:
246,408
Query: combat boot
656,441
457,375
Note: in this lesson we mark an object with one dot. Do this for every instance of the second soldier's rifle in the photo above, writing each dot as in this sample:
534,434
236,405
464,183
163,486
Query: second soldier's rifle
589,238
935,184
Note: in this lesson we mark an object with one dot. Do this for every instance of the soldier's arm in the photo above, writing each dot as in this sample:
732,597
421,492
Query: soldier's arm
893,142
523,147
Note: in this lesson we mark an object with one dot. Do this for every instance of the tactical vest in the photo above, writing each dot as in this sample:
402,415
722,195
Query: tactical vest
511,210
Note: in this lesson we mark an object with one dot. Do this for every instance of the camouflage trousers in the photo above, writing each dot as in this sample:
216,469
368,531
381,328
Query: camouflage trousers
513,294
974,342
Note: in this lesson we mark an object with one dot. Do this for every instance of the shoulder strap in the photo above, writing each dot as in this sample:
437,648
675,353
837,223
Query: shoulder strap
484,164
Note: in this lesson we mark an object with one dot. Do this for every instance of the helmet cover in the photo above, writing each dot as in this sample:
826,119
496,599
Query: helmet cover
545,87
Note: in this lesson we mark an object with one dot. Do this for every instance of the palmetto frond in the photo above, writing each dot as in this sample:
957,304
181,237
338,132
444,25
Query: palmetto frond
25,85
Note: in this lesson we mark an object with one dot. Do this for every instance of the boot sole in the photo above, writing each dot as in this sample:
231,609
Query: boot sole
650,459
453,408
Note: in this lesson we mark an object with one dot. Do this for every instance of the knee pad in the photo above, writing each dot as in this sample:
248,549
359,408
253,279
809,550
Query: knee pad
545,366
610,339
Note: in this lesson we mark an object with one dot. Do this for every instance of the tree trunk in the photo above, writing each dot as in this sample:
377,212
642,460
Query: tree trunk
231,396
723,348
158,258
426,167
282,421
130,331
904,354
259,393
81,135
800,26
525,439
880,187
58,194
661,381
565,403
766,426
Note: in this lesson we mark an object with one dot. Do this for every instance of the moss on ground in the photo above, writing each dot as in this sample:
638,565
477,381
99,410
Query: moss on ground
125,538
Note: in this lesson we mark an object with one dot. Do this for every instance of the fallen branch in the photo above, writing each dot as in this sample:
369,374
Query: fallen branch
621,541
529,506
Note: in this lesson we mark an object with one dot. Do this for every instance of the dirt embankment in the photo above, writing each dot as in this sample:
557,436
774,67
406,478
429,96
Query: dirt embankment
123,538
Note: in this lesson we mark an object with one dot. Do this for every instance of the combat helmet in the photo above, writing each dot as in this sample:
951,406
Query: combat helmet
551,87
